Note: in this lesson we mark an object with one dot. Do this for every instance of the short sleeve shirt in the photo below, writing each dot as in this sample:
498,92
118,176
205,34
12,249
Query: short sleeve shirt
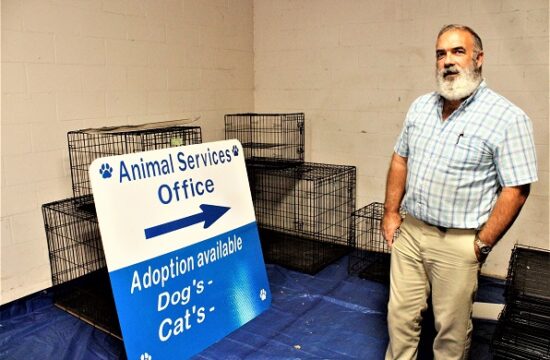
457,167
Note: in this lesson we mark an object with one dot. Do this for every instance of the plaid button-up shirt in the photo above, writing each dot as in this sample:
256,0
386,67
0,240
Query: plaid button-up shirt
457,167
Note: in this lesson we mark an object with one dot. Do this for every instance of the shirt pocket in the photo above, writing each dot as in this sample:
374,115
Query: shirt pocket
468,151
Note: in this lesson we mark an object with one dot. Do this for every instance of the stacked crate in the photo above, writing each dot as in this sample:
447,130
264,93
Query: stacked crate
303,209
271,139
77,259
370,257
523,329
74,241
89,144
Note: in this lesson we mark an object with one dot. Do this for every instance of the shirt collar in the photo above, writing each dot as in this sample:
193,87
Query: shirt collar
475,94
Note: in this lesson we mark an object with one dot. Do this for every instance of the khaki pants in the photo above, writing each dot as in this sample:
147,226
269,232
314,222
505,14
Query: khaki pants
426,259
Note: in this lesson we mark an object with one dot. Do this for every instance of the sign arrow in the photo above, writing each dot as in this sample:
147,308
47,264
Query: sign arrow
210,214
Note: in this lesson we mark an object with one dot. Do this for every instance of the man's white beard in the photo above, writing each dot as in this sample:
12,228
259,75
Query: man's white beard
461,86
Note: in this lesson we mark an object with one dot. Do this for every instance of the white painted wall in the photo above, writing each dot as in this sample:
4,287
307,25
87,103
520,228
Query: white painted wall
72,64
354,67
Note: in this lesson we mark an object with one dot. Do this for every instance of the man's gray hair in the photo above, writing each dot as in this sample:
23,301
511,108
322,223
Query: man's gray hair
478,45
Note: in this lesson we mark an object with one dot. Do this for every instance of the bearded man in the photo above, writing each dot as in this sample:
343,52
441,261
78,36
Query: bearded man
461,170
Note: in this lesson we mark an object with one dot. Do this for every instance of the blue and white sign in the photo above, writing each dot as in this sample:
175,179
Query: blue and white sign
182,246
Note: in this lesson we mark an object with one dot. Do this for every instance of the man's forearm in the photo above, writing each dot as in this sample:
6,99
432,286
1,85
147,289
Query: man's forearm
395,184
505,212
395,189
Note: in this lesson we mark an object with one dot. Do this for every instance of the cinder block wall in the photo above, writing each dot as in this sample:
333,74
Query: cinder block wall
352,66
72,64
355,66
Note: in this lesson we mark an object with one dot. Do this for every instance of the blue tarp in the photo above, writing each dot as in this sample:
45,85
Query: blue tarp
330,315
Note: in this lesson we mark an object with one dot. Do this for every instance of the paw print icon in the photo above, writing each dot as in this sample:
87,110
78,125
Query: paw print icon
106,171
145,356
263,294
235,150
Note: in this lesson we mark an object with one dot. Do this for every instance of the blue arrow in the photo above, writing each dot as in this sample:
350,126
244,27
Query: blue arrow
209,214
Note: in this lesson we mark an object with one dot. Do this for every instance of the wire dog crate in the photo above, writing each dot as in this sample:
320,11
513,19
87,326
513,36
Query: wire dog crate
74,241
268,137
89,144
528,279
512,340
303,213
77,262
370,257
90,298
524,325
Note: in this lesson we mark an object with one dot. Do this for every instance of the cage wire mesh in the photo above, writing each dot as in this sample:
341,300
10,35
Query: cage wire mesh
370,257
523,327
528,279
513,341
77,262
91,299
531,321
268,137
89,144
303,212
74,241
